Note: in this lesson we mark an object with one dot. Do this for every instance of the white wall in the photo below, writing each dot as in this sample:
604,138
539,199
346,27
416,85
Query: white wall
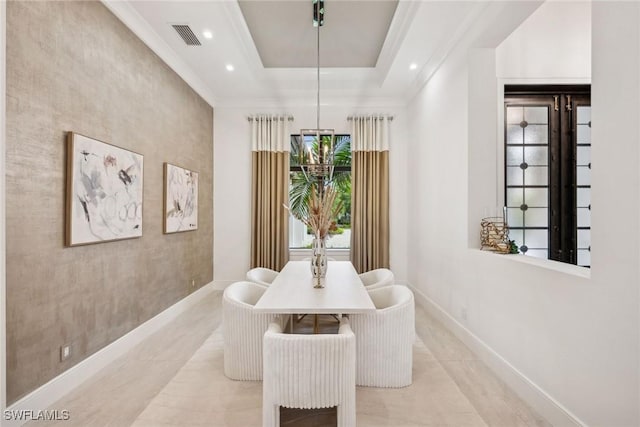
554,42
571,334
232,181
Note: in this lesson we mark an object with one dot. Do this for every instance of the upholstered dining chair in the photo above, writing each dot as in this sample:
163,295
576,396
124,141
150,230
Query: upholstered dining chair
243,330
384,339
377,278
262,276
309,371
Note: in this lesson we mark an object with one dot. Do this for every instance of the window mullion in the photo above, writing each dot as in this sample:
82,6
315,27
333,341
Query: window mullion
555,184
567,181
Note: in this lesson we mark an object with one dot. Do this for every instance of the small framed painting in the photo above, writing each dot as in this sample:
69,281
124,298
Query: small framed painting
180,199
104,192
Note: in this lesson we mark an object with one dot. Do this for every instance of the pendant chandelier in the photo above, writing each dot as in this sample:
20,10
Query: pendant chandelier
316,145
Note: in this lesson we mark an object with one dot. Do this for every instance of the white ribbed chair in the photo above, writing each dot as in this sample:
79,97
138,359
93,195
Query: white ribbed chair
384,339
243,330
377,278
309,371
262,276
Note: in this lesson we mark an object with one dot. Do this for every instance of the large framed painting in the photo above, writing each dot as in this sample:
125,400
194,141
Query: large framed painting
104,192
180,199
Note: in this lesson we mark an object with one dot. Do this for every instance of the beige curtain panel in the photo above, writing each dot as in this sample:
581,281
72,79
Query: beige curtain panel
269,191
370,192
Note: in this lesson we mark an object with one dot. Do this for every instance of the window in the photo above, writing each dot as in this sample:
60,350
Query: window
548,171
300,186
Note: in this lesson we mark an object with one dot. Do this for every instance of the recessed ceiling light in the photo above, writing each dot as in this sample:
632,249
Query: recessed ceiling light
207,34
413,66
229,67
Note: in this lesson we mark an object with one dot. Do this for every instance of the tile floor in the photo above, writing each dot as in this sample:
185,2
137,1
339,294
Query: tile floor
174,378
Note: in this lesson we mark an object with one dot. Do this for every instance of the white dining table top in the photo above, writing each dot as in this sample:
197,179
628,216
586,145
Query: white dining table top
292,291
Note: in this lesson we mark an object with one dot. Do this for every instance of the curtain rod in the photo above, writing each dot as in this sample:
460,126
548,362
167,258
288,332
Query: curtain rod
370,117
290,118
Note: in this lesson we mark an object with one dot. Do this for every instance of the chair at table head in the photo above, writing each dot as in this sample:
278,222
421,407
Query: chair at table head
377,278
309,371
262,276
243,330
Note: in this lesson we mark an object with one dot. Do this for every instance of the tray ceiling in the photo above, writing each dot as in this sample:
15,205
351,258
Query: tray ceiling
263,52
352,35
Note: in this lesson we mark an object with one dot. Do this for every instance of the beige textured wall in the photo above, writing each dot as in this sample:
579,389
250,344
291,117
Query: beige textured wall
73,66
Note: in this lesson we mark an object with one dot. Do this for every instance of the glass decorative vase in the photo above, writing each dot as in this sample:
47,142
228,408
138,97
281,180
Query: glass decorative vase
318,262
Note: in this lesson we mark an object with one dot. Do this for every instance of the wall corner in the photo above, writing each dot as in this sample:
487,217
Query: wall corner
484,198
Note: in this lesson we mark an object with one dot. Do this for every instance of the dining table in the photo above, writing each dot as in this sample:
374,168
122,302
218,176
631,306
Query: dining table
293,292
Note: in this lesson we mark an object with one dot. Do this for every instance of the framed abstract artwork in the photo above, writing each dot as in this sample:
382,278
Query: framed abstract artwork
180,199
104,192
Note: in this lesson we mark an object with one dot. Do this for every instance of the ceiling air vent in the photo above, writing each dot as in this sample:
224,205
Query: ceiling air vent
187,35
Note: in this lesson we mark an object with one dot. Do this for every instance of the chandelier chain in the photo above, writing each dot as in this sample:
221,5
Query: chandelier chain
318,68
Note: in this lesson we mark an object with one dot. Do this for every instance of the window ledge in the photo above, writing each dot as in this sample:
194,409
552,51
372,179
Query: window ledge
561,267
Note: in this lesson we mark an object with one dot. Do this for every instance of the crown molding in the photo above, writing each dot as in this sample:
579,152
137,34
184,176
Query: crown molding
438,58
249,50
141,28
305,101
402,20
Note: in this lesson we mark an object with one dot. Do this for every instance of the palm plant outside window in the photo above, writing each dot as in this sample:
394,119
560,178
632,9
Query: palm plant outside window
300,186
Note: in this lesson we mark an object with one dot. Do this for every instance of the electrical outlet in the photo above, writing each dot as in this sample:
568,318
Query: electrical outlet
65,352
193,283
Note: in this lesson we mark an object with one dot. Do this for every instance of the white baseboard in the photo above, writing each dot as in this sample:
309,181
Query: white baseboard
552,410
46,395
